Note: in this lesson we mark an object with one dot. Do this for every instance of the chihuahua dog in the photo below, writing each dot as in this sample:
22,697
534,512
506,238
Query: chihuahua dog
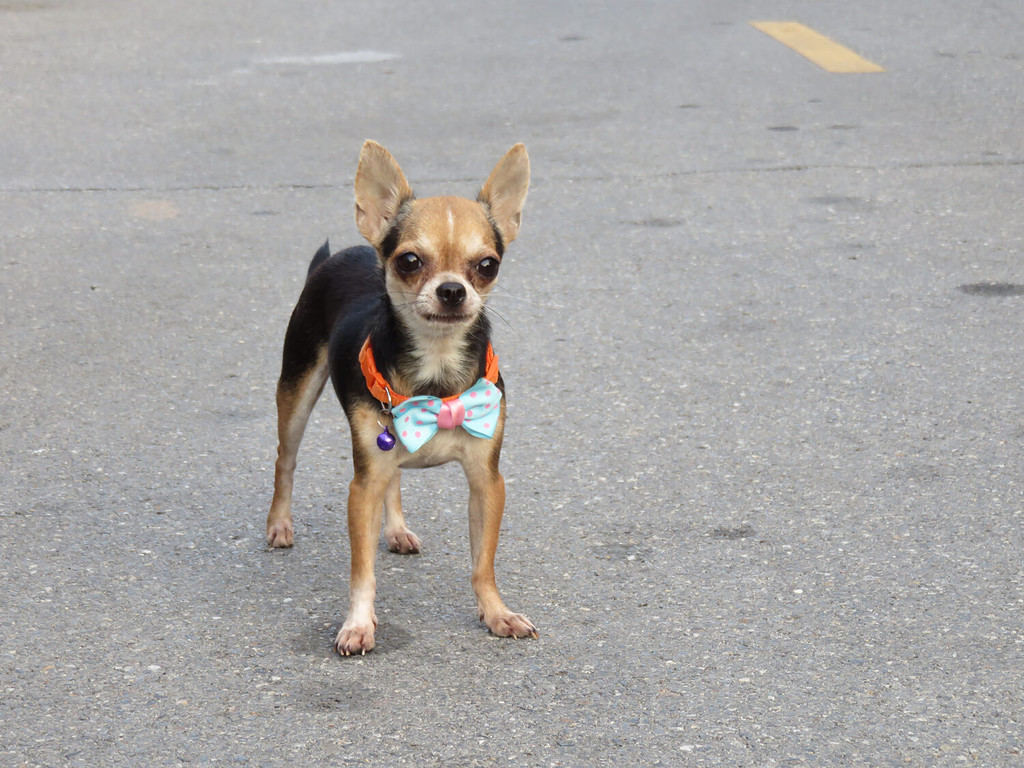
400,330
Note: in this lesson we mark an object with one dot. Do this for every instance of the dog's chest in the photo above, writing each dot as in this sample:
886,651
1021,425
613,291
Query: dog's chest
438,369
447,445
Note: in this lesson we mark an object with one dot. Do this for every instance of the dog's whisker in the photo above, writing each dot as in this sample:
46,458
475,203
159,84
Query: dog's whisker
491,311
502,296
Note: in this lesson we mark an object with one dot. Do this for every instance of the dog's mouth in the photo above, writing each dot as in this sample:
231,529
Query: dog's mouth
446,318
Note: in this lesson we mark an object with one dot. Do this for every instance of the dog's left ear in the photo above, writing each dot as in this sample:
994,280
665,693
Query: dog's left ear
504,192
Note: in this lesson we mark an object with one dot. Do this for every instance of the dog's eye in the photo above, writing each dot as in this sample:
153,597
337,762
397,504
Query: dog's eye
488,268
407,263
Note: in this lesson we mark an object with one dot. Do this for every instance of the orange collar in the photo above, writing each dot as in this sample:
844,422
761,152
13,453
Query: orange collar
385,393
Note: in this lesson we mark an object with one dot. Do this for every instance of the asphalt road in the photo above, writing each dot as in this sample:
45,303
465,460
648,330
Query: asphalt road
762,335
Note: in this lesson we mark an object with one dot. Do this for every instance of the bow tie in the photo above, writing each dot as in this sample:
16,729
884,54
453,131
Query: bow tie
476,410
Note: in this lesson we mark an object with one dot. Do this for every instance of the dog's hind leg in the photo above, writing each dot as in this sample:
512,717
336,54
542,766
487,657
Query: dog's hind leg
298,389
399,538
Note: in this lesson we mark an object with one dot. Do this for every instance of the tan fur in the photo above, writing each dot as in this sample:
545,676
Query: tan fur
504,192
451,230
380,188
294,405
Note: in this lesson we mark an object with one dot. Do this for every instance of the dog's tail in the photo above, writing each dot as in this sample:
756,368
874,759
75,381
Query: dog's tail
321,256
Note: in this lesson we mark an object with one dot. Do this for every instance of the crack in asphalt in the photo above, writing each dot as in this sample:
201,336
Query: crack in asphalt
726,171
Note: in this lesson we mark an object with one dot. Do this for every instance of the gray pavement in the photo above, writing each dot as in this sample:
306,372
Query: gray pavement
766,443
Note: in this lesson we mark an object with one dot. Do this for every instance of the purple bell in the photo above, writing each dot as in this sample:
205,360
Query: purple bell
385,440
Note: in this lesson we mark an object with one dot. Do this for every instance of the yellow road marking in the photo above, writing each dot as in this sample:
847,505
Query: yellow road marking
823,51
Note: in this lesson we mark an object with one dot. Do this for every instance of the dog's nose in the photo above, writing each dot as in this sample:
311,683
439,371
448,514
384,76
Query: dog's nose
451,294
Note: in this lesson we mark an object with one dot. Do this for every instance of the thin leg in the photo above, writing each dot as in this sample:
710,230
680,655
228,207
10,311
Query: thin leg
295,401
365,501
399,538
486,506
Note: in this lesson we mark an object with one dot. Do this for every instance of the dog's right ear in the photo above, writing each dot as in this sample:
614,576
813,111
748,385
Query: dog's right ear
381,189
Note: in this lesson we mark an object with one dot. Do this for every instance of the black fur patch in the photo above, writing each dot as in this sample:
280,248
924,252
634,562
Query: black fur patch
322,255
499,241
334,284
394,234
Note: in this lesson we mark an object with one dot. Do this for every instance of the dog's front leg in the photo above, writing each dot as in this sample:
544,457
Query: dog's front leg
486,507
365,502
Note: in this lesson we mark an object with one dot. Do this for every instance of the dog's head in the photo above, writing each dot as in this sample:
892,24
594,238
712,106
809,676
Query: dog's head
440,255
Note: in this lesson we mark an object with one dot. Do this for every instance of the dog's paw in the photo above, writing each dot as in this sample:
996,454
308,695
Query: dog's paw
403,541
280,534
355,640
510,625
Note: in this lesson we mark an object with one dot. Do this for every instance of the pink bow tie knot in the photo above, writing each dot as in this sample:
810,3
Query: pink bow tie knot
451,415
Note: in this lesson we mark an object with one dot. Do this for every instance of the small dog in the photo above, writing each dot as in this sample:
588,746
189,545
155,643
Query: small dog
400,329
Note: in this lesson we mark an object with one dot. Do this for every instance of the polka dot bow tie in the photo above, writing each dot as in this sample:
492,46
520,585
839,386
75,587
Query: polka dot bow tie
476,410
